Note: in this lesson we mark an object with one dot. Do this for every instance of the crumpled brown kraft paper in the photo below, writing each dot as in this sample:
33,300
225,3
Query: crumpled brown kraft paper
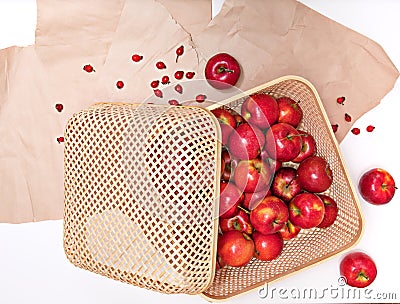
273,38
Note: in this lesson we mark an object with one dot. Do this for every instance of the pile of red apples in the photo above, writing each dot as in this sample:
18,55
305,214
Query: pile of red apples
273,182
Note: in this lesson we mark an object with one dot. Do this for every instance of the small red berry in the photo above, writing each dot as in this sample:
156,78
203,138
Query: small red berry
335,128
178,88
120,84
154,84
158,93
161,65
136,57
355,131
179,75
370,128
88,68
179,52
165,80
173,102
59,107
340,100
201,98
60,139
190,75
347,117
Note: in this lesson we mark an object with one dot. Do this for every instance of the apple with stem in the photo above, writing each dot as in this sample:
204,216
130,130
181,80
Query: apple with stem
289,111
377,186
240,222
358,268
306,210
260,110
308,147
285,184
314,174
267,246
331,211
235,248
222,71
289,231
252,175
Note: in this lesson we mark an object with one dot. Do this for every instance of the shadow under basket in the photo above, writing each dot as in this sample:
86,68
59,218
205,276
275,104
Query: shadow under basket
142,196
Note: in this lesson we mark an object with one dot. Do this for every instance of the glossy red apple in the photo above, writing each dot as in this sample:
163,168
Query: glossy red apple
267,246
252,199
246,142
283,142
235,248
230,198
289,111
224,117
331,211
270,215
306,210
222,71
289,231
358,268
377,186
260,110
252,175
226,131
308,147
285,184
240,222
314,174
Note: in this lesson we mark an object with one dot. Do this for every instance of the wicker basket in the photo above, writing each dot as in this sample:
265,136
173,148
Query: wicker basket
142,188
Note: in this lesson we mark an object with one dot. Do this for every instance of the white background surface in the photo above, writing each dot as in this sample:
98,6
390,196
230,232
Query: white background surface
33,268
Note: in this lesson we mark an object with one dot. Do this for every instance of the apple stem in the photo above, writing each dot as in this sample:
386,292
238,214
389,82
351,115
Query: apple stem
244,209
224,69
295,135
384,186
363,276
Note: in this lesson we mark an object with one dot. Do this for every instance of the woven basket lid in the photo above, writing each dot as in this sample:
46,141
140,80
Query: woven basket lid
141,194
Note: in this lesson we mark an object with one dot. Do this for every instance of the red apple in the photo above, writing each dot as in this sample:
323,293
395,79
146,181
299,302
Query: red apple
273,164
240,222
246,142
285,184
252,175
270,215
358,269
260,110
267,246
252,199
222,71
224,117
314,174
306,210
239,119
377,186
289,111
283,142
226,131
235,248
229,200
331,211
289,231
308,148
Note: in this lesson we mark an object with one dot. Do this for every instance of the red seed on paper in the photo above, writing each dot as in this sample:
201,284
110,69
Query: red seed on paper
60,139
190,75
154,84
347,117
355,131
173,102
178,88
370,128
59,107
165,80
158,93
179,75
120,84
161,65
201,98
88,68
137,57
179,52
340,100
335,128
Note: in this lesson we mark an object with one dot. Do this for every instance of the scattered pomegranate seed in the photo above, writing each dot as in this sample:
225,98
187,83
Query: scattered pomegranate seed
179,52
190,75
165,80
173,102
335,128
60,139
120,84
178,88
347,117
88,68
370,128
201,98
355,131
179,74
161,65
137,58
154,84
158,93
340,100
59,107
